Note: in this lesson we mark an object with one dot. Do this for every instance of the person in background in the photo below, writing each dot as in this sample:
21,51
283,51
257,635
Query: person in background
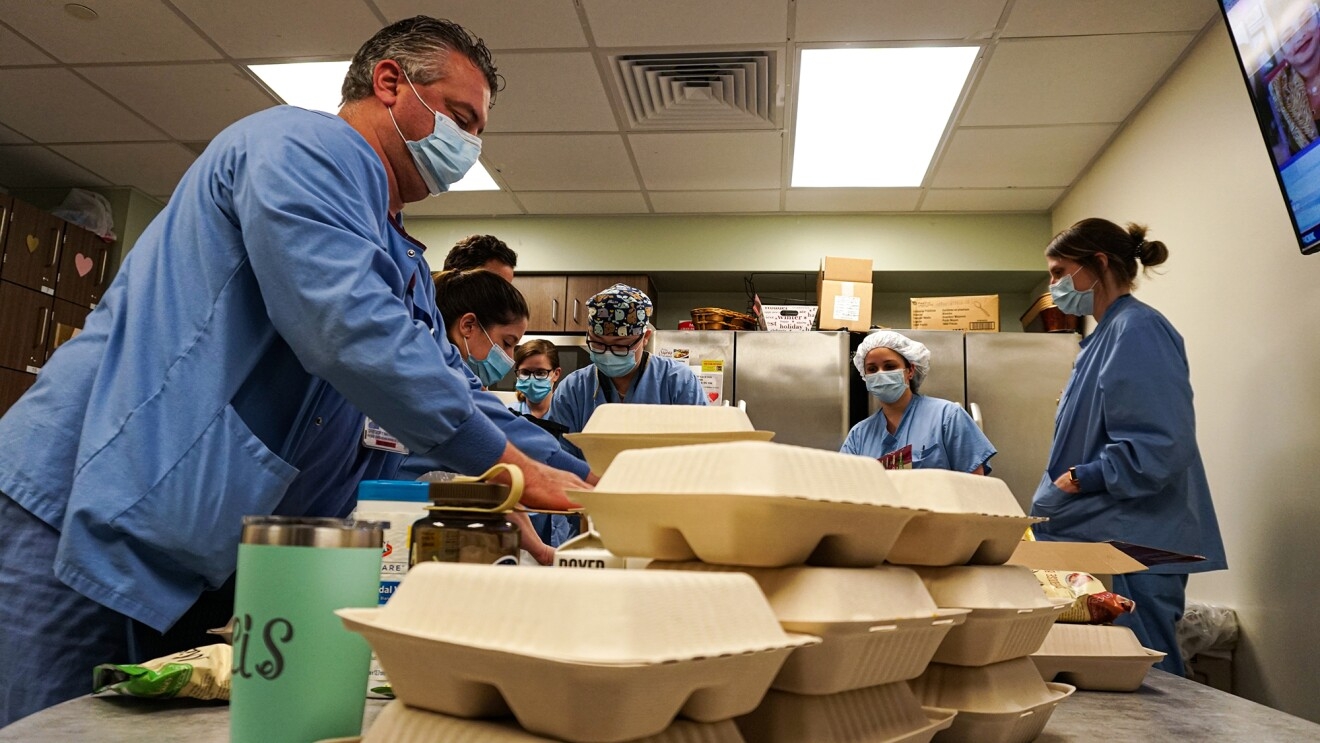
226,372
911,430
1124,464
482,251
621,370
537,365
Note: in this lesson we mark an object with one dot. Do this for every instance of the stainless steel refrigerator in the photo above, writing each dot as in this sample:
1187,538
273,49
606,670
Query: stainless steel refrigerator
1010,383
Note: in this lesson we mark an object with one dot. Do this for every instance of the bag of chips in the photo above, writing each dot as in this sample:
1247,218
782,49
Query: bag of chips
1092,602
200,673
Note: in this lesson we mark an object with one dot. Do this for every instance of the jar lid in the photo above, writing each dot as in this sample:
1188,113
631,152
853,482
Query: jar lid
481,496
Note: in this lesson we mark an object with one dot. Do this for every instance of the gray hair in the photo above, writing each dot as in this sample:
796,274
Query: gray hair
421,46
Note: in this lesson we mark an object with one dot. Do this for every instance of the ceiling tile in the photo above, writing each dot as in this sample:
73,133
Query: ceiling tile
154,168
9,136
464,203
15,51
30,166
551,92
687,22
1069,17
1019,157
504,24
561,162
1075,80
714,202
990,199
709,160
67,109
255,29
852,199
583,202
888,20
187,101
124,31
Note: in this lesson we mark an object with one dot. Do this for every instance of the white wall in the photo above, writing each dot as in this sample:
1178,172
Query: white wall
1192,165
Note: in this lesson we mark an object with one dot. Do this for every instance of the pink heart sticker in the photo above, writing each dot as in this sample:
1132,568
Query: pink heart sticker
83,264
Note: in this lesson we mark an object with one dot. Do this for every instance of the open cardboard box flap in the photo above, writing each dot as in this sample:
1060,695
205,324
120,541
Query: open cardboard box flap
1089,557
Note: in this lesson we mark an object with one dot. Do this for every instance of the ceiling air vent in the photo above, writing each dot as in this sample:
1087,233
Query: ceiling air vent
701,90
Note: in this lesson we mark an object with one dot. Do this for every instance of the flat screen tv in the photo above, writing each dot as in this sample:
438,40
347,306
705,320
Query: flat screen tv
1278,47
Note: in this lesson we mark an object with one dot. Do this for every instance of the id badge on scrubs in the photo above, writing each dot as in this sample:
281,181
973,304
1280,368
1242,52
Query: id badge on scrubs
898,459
375,437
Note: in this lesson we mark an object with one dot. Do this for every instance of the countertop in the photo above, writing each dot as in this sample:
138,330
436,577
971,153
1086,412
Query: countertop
1165,708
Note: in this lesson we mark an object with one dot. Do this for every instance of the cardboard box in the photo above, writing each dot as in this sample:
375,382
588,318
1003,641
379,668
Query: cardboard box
787,317
843,304
846,269
976,313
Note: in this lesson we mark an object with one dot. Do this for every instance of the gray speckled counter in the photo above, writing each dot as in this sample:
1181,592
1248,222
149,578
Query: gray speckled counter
1166,708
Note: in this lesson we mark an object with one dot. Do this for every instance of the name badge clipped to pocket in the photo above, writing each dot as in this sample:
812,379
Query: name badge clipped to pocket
375,437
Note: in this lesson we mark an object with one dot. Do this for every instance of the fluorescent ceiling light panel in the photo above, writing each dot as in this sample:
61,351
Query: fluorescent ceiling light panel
316,86
873,117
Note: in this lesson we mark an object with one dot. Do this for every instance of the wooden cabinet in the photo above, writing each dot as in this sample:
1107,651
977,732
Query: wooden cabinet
25,324
558,303
83,266
66,318
12,386
32,248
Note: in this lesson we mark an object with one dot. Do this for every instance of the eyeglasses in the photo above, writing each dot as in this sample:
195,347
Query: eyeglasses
621,349
526,374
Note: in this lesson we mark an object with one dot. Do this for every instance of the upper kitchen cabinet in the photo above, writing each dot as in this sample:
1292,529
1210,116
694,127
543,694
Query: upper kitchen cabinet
558,304
32,247
83,267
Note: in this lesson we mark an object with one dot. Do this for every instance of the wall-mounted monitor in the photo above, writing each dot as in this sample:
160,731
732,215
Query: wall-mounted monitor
1278,47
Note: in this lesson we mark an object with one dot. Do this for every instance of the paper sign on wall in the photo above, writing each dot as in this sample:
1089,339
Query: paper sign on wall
713,384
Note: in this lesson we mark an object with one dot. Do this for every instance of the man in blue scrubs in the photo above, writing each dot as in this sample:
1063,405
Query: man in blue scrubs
227,371
621,369
1125,464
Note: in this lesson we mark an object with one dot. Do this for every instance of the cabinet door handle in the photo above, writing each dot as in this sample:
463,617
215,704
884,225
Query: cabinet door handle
554,312
576,304
105,259
45,325
56,242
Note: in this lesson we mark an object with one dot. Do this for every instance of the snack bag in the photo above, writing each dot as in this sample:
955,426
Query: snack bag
1092,603
200,673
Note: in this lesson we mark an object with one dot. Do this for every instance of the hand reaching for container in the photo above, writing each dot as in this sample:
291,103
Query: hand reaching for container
544,488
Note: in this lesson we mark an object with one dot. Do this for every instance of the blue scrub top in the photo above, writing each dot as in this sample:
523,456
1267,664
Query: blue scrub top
661,381
1127,423
943,436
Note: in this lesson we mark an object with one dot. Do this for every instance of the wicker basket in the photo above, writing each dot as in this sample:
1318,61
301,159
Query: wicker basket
715,318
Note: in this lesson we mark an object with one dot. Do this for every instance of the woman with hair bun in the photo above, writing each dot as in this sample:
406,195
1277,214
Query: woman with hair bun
1125,464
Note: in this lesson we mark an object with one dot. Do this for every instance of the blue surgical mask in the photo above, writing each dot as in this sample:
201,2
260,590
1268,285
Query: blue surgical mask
534,389
1070,299
613,366
492,368
887,385
445,155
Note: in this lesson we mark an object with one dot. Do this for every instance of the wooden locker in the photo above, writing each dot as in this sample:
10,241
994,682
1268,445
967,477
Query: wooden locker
32,248
82,266
12,386
26,320
66,318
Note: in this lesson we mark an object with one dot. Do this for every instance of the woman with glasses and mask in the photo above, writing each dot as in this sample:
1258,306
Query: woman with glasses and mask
621,370
910,430
1125,464
537,366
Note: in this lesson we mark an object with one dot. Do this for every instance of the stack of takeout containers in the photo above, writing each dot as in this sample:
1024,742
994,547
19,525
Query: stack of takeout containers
981,669
592,656
617,427
1096,657
813,529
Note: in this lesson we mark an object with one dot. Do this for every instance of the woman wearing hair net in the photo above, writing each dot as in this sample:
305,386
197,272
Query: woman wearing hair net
911,430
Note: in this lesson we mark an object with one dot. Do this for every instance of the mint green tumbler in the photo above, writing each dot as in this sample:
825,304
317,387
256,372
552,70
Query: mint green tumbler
298,674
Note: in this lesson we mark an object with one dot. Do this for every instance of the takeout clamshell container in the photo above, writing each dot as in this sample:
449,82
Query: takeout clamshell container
877,714
877,625
398,723
618,427
1010,614
969,519
609,655
1095,657
1001,703
754,504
